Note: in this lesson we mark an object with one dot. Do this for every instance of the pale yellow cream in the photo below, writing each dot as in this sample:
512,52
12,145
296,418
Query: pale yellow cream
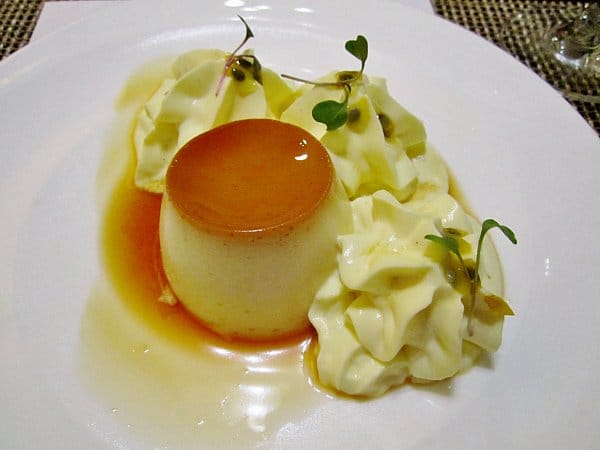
391,310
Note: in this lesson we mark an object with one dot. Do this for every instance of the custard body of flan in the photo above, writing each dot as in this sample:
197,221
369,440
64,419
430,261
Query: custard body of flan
249,225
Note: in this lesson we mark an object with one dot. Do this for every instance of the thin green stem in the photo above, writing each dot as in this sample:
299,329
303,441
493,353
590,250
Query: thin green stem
316,83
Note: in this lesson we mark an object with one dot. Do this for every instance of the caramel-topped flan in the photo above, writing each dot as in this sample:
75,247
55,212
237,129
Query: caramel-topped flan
249,225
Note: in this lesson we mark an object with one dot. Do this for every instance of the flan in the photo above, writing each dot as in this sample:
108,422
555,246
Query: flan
249,224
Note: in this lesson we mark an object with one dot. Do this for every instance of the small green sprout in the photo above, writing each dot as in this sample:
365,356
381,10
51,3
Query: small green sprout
451,244
329,112
246,61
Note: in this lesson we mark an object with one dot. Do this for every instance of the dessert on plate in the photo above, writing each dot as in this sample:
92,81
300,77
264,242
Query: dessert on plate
296,204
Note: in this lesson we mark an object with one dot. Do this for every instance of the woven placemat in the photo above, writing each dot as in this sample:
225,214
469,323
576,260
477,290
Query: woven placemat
517,26
17,21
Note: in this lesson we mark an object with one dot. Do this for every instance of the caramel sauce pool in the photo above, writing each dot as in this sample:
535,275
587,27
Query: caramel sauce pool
158,373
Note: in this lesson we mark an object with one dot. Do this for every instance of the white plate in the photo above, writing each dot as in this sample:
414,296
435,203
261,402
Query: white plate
521,153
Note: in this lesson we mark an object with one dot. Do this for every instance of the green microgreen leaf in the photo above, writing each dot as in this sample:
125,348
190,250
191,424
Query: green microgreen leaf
487,225
331,113
359,48
448,242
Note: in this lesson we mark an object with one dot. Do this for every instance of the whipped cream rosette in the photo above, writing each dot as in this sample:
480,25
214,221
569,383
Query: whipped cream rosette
393,310
373,150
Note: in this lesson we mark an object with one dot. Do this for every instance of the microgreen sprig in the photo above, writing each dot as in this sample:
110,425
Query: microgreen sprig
360,49
233,57
329,112
451,244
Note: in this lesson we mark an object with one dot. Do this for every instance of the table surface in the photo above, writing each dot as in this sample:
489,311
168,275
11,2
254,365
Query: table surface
510,24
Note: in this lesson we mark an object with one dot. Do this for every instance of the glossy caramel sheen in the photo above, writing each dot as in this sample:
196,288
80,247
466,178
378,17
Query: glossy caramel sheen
253,175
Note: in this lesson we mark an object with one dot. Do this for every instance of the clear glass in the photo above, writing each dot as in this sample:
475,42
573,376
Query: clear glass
577,43
561,44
